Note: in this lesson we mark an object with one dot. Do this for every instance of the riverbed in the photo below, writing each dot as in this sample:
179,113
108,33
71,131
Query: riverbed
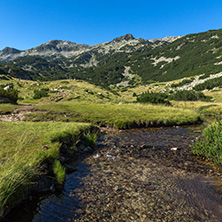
135,175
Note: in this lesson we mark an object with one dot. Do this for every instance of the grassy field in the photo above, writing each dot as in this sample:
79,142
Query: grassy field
24,146
61,90
119,115
206,108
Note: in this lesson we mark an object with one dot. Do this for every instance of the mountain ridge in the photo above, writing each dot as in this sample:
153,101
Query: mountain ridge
124,61
59,46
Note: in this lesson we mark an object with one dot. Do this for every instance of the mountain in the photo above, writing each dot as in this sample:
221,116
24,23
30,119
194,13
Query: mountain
67,49
124,61
58,59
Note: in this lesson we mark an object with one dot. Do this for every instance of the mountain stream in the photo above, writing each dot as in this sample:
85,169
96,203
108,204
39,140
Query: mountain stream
135,175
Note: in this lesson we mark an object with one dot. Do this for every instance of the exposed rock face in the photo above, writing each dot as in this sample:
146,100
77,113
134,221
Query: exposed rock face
8,87
126,37
168,39
59,48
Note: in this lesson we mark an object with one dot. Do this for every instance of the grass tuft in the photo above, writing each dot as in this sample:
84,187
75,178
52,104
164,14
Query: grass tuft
59,171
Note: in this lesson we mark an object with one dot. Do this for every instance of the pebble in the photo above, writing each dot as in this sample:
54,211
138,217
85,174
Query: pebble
143,180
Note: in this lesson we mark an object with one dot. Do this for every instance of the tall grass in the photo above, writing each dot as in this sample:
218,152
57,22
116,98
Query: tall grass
119,115
22,152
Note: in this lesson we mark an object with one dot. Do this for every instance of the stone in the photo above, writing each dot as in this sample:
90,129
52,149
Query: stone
8,87
174,149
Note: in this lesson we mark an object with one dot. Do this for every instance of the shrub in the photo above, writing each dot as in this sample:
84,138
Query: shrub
182,83
10,94
185,95
154,98
38,94
209,84
211,143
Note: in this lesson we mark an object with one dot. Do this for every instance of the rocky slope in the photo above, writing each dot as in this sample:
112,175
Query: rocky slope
105,64
67,49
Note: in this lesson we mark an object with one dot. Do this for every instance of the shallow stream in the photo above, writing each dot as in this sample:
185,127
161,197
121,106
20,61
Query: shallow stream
135,175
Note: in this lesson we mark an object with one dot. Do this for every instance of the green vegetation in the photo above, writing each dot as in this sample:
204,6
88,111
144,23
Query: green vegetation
59,171
209,84
205,107
154,98
163,98
90,139
188,56
27,146
38,94
118,115
182,83
191,95
196,54
211,145
10,94
24,146
7,108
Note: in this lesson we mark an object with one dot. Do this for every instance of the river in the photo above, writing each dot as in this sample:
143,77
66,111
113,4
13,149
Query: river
135,175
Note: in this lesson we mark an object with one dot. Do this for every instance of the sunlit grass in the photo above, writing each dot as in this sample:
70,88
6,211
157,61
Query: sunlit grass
209,108
119,115
60,90
22,152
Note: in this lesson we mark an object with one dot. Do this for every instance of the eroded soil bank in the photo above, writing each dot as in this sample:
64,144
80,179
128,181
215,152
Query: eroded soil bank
136,175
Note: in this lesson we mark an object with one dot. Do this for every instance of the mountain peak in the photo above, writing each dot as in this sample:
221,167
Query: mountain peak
58,42
8,50
126,37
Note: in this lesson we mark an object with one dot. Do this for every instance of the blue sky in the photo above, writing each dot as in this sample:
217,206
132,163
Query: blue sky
28,23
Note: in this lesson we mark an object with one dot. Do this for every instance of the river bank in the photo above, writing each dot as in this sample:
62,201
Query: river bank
33,156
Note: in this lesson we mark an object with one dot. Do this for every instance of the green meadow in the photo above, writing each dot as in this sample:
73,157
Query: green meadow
64,110
121,116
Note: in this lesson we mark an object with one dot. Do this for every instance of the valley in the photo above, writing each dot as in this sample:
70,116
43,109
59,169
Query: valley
110,121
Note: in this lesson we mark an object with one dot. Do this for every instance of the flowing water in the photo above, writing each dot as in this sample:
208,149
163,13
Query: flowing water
135,175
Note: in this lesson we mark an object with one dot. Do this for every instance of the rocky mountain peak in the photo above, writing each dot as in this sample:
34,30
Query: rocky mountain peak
168,39
126,37
8,50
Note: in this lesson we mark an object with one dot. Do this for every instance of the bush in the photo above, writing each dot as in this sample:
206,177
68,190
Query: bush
209,84
188,95
154,98
182,83
210,145
38,94
10,94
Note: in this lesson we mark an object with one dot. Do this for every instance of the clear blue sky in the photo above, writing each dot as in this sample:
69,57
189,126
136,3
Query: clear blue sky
28,23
